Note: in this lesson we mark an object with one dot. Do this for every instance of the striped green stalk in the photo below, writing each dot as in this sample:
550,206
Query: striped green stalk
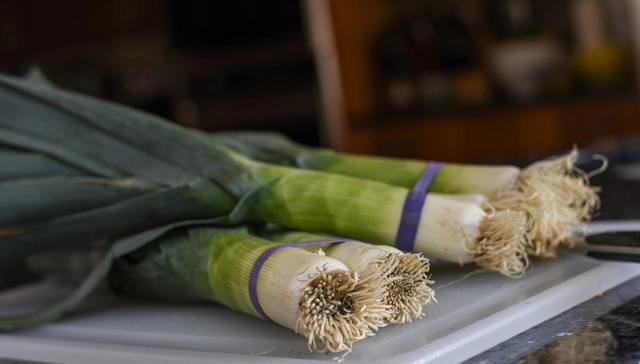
553,194
406,275
315,295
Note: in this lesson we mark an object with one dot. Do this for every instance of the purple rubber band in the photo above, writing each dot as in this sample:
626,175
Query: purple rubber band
412,209
257,266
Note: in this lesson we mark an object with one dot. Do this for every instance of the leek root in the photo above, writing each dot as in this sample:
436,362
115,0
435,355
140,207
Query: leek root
406,275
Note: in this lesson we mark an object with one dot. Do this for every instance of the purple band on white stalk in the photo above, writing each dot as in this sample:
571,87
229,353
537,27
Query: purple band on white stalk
412,209
257,266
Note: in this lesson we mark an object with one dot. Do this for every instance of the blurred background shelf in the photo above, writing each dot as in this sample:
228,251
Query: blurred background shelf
212,65
485,80
496,133
463,80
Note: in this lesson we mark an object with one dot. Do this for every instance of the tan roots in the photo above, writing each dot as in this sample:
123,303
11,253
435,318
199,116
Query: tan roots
407,287
555,197
502,243
404,280
338,309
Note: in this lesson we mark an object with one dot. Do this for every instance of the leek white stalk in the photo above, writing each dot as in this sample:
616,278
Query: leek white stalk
406,275
475,198
315,295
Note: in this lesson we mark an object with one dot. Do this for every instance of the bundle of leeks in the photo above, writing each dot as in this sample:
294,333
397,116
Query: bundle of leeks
62,192
155,176
405,276
316,295
553,194
117,141
332,290
336,291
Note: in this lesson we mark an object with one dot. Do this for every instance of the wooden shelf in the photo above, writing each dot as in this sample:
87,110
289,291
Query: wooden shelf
493,133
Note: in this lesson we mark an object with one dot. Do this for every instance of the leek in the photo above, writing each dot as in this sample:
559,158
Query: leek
123,140
313,294
452,178
406,275
553,194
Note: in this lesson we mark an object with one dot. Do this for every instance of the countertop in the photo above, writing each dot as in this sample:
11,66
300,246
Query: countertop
606,328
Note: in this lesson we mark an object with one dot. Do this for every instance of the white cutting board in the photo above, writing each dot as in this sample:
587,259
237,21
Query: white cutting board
473,315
